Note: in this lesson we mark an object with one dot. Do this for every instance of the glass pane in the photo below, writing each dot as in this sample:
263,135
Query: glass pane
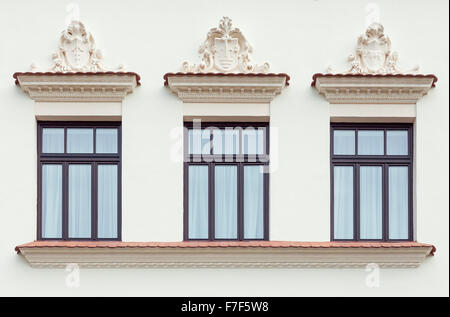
370,142
253,140
226,141
199,141
397,142
79,201
344,142
52,140
198,202
106,141
371,202
107,201
80,140
226,202
253,202
51,201
398,202
343,202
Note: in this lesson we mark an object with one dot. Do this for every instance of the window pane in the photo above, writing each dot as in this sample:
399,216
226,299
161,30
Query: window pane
344,142
52,140
398,202
226,202
343,202
107,201
199,141
51,201
198,202
79,201
370,142
80,140
371,202
226,141
397,142
253,202
253,140
106,141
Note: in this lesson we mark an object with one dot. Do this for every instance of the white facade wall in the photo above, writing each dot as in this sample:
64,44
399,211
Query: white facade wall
155,37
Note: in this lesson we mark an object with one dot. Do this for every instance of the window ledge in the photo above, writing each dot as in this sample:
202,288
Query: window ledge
77,86
249,254
373,89
226,87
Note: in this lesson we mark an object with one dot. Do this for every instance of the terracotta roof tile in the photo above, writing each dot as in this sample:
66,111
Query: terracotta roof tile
226,74
221,244
315,76
138,78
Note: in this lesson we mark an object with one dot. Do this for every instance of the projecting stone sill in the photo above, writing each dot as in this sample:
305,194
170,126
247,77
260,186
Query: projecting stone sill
232,254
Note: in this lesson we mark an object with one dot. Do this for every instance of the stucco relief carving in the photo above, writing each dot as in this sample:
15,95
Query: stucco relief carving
77,51
373,54
225,50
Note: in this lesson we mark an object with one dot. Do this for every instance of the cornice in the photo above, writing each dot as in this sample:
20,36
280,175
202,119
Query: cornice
373,89
226,88
77,86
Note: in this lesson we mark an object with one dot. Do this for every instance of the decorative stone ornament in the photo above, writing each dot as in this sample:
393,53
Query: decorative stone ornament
225,50
77,51
374,75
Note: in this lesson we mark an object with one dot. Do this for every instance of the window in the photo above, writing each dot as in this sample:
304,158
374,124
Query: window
226,181
79,181
371,182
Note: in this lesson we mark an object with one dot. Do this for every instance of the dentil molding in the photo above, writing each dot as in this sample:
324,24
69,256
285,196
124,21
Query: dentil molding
374,76
77,73
230,88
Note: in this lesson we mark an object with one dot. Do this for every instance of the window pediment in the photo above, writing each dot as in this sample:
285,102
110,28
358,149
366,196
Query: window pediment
77,73
226,72
374,76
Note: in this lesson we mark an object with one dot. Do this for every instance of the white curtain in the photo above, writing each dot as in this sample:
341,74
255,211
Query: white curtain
106,140
343,202
398,202
226,141
371,202
199,141
53,140
344,142
370,142
80,140
79,201
51,201
253,202
225,202
253,140
397,142
198,202
107,201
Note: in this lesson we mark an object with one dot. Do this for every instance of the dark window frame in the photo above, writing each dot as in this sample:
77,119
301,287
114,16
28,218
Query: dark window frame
94,159
356,161
239,160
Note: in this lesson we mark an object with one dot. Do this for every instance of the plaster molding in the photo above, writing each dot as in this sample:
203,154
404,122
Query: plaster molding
360,89
373,54
79,87
256,257
225,50
239,88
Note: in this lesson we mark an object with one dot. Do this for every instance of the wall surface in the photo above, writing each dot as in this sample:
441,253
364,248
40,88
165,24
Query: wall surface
155,37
